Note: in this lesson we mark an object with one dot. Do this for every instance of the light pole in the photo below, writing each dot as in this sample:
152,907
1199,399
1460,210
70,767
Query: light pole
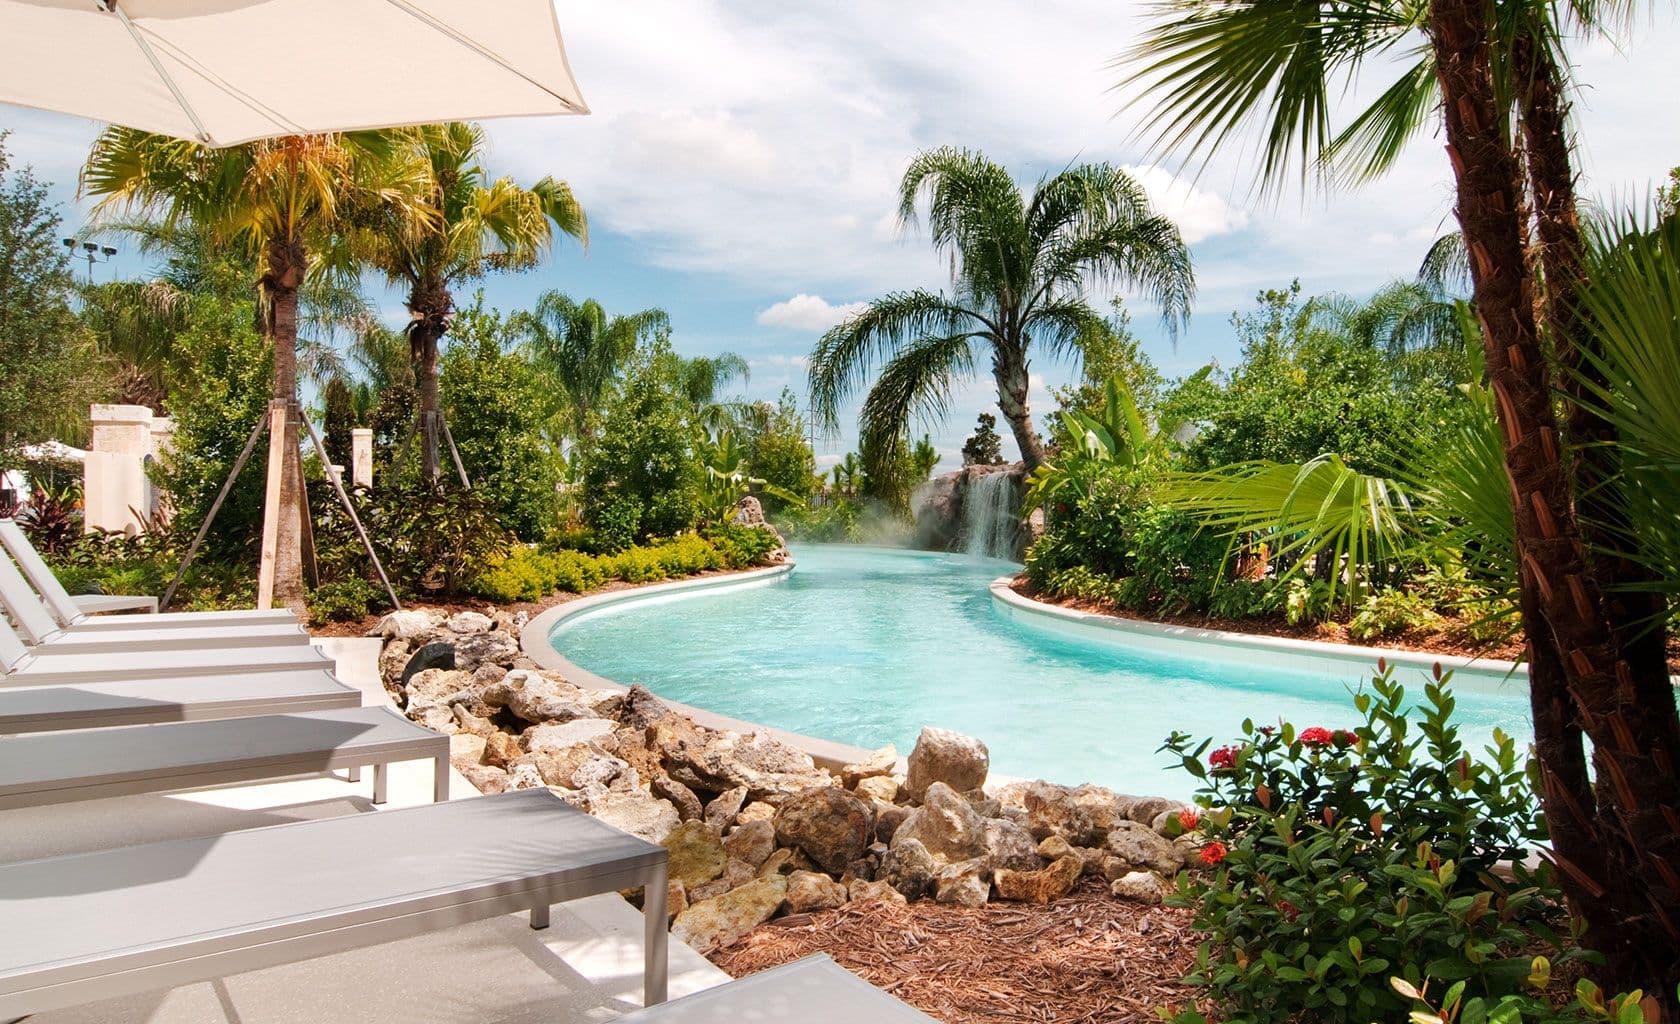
91,252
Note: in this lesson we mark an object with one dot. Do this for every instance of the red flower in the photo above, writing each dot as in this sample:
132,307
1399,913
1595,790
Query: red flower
1188,820
1213,853
1287,909
1317,736
1224,757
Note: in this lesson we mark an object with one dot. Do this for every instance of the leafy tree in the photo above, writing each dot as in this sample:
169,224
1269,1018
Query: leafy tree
285,202
468,226
48,372
641,473
498,403
1111,350
777,450
703,379
1020,265
338,419
983,447
586,351
1497,78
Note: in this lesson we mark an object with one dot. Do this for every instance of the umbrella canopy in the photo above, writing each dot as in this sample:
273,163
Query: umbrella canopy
224,72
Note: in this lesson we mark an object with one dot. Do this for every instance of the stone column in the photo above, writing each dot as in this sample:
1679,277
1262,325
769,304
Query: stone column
361,457
114,488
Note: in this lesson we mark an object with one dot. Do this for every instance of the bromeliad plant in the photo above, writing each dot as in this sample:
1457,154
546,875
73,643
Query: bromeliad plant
1345,856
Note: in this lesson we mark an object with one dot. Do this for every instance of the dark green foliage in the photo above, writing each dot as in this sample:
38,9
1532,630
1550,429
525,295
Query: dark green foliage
338,419
430,540
1344,856
528,573
641,474
983,447
497,404
777,451
49,370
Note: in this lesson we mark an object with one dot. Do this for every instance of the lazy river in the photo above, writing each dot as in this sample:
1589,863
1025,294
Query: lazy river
867,645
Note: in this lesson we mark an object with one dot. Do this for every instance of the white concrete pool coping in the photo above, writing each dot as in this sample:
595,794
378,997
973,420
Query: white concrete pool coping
537,645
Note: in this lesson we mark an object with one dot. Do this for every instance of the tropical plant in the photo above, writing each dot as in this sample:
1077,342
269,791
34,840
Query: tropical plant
586,350
777,447
703,379
1493,73
1019,265
848,475
983,447
1090,445
286,201
469,225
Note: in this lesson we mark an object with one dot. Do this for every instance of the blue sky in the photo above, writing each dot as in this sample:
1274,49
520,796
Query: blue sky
740,161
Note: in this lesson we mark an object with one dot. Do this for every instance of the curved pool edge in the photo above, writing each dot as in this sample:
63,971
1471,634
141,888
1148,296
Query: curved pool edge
535,642
1276,651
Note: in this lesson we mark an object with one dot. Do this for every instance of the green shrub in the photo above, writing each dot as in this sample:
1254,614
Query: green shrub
834,523
348,598
1388,612
1306,600
1242,599
741,546
526,573
1343,857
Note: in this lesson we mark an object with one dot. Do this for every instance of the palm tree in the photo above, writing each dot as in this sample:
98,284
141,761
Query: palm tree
1019,269
1209,67
703,380
585,349
284,201
474,226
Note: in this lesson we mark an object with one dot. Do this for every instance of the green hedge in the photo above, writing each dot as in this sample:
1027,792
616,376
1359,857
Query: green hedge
531,574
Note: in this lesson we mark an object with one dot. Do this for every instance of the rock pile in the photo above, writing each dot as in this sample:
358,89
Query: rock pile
754,827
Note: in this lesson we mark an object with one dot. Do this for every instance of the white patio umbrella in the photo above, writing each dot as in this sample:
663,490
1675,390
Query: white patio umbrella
224,72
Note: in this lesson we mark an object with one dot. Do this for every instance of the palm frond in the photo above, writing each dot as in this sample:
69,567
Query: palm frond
846,356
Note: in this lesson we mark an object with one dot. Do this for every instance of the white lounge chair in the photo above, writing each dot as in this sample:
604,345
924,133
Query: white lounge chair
43,666
97,705
94,926
80,610
54,768
814,990
27,610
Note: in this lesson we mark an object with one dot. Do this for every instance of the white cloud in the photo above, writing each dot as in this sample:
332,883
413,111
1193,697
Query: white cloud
1198,212
808,313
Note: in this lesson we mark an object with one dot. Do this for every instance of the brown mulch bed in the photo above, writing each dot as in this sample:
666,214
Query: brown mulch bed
1086,958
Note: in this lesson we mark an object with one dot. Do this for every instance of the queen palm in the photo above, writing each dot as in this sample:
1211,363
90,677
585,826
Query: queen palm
585,349
285,201
1494,73
1020,266
475,226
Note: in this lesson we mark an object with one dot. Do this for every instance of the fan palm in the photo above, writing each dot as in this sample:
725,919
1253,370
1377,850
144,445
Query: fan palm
1019,265
586,350
472,225
1490,72
284,201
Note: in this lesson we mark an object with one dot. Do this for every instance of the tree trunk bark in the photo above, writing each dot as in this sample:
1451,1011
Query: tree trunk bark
429,308
1009,369
1634,763
286,263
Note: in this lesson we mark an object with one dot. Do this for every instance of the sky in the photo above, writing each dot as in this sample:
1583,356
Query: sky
740,163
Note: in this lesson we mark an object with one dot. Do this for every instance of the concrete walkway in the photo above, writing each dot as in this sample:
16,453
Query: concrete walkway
585,967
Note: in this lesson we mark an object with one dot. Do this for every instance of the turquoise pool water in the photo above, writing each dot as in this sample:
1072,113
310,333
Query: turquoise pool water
867,645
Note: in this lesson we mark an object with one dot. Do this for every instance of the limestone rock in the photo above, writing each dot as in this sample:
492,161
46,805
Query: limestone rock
637,812
862,891
605,703
1010,846
883,788
604,771
465,748
1145,809
468,623
946,824
696,854
1139,886
406,624
561,735
466,721
887,819
753,842
676,899
940,755
641,708
964,883
725,806
1054,847
1043,886
780,862
758,761
535,697
908,867
437,719
880,763
485,779
524,776
758,810
810,891
737,872
688,805
393,657
485,648
500,750
1143,848
434,687
725,919
832,826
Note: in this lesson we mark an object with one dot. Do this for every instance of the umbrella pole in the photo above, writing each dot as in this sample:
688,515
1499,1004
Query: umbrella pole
215,506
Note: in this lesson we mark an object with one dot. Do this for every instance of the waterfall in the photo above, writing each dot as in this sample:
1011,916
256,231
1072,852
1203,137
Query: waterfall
990,521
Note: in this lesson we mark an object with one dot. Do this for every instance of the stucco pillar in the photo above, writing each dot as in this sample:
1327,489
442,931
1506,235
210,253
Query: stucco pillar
115,492
361,457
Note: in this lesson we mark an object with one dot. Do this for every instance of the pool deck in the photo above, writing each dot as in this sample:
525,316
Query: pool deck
586,967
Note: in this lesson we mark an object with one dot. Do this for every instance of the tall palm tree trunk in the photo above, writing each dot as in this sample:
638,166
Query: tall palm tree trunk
429,307
286,262
1635,768
1009,369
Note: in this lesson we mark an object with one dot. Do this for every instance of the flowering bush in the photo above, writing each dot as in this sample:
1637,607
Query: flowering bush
1342,857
